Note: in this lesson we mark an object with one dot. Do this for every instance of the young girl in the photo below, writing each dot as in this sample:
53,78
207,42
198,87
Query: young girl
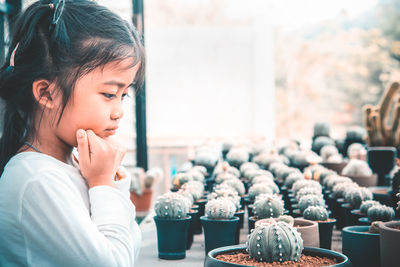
71,63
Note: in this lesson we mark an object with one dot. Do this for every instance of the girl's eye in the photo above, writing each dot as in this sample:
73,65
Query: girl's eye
125,95
109,96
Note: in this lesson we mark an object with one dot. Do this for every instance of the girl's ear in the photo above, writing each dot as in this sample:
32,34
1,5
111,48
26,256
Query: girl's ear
43,91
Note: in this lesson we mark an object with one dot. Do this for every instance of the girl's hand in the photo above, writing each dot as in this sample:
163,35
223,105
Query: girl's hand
99,159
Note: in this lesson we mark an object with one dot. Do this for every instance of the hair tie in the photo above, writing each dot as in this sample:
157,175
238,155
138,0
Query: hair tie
12,58
51,7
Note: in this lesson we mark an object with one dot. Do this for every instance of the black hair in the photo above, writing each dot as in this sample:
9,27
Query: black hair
86,36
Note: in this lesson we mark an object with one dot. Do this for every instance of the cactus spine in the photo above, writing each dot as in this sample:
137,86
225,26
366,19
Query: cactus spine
316,213
171,206
220,208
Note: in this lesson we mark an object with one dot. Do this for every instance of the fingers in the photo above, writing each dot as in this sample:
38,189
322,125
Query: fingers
83,146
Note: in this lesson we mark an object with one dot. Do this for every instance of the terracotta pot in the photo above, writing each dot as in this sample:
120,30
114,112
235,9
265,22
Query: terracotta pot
211,261
389,242
369,180
143,202
361,247
309,231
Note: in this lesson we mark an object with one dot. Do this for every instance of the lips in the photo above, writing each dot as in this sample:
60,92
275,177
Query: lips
111,131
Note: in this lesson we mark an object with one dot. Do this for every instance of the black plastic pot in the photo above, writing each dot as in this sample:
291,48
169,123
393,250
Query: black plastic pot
251,222
219,233
361,247
348,219
296,213
382,160
240,215
355,215
249,210
389,244
325,233
340,221
202,204
211,261
172,237
195,219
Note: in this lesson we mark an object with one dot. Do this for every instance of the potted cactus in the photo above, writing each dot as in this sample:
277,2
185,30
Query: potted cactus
354,197
265,206
219,223
361,245
378,213
325,224
362,211
360,172
382,136
273,243
172,224
141,189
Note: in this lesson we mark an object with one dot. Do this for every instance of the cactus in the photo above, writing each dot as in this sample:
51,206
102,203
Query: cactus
356,195
224,191
171,206
257,189
321,129
275,241
365,205
320,142
292,178
356,151
254,173
379,132
313,172
220,209
308,191
374,227
151,176
285,172
380,213
305,183
180,179
195,188
264,160
227,169
196,175
328,151
248,166
299,158
267,207
236,184
205,157
357,167
325,174
311,200
339,190
330,182
187,195
316,213
222,177
237,156
201,169
287,219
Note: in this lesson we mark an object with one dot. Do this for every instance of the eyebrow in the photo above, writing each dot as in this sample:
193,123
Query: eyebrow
119,84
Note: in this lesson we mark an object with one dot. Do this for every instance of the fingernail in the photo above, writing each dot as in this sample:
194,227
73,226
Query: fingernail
80,133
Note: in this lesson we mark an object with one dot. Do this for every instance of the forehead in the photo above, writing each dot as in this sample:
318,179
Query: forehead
124,70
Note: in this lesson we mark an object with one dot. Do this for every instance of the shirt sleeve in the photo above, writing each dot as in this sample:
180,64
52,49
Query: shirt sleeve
61,231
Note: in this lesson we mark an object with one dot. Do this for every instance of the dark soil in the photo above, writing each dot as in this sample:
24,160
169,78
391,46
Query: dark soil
243,259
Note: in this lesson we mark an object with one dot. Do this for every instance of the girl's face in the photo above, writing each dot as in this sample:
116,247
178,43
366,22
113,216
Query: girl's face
96,102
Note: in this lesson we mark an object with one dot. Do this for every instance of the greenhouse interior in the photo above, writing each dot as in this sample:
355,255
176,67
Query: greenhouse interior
264,133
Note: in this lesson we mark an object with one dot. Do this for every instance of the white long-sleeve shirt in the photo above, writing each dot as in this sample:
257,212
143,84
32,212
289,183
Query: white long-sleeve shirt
50,217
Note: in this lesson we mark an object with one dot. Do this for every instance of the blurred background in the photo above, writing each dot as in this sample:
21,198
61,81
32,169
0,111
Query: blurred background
257,71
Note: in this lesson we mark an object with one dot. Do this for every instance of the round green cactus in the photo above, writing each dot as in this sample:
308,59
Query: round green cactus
235,184
320,142
248,166
305,183
225,176
195,188
316,213
237,156
365,205
311,200
287,219
181,178
187,195
254,173
332,180
257,189
339,190
171,206
224,191
357,167
196,175
201,169
380,213
275,242
292,178
356,195
308,191
205,157
268,207
328,151
220,208
356,151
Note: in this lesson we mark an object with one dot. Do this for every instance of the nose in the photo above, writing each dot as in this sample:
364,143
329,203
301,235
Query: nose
117,112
